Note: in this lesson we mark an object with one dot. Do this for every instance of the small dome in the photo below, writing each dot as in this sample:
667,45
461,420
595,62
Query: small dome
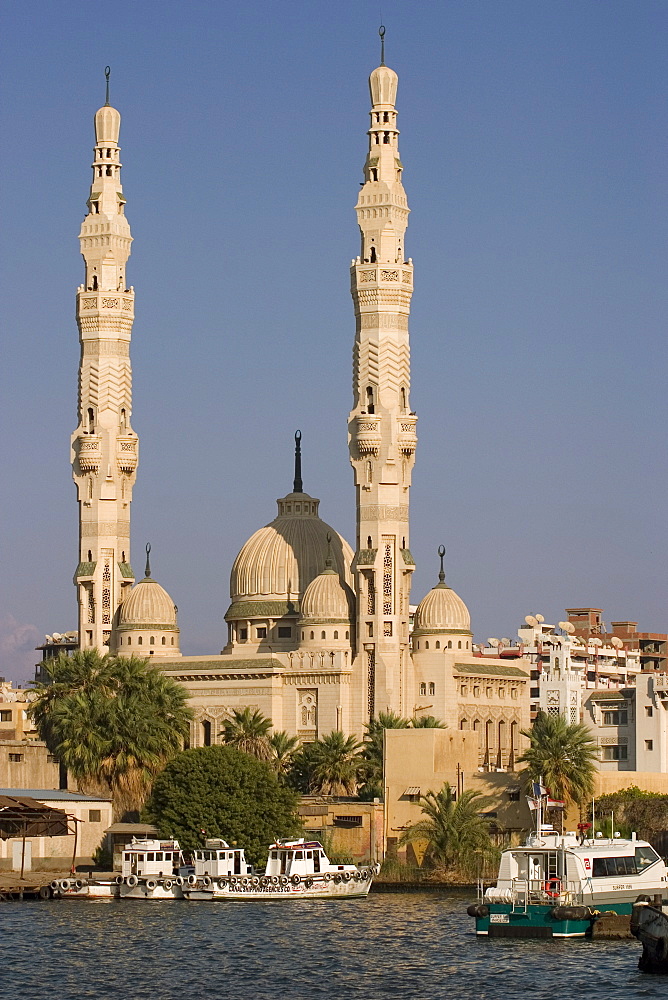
327,599
107,125
383,86
280,560
442,609
147,604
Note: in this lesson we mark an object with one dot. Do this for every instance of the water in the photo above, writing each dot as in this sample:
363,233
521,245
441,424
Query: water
408,947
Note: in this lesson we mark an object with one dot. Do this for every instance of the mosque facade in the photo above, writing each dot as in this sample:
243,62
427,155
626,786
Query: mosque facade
318,633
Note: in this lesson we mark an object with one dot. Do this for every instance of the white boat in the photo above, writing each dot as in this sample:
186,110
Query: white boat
150,870
557,885
84,888
296,869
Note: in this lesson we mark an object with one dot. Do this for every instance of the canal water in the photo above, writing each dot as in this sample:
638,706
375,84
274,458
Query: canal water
408,947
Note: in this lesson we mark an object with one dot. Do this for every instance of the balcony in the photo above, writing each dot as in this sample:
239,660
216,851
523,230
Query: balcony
407,437
88,449
367,434
126,454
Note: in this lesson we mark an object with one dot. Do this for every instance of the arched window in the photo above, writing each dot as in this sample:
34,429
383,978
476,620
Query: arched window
90,420
90,556
403,398
426,645
129,640
140,641
459,644
153,640
423,688
372,257
369,542
95,276
206,733
172,640
369,399
432,688
463,724
336,634
347,635
302,635
121,642
450,644
164,641
313,635
438,645
322,635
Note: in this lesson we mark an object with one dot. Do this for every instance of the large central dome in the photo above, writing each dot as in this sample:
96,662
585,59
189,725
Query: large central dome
279,561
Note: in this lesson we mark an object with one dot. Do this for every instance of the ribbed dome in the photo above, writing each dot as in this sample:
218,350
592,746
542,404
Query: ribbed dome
280,560
107,125
147,604
327,599
442,608
383,86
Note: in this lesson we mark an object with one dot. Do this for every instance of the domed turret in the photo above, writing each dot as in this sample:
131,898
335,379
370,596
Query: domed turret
273,570
442,610
327,598
146,620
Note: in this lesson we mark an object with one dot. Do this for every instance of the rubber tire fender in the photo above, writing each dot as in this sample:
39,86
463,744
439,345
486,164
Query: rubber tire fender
131,880
151,883
167,884
45,892
295,879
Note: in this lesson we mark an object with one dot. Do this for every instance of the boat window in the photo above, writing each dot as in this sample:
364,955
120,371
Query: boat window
309,854
299,855
316,861
613,866
237,863
645,856
150,856
158,856
141,857
274,855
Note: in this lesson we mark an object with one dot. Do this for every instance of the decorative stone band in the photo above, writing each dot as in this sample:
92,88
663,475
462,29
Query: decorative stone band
261,609
254,692
442,631
383,321
335,676
106,348
121,528
145,626
326,621
384,512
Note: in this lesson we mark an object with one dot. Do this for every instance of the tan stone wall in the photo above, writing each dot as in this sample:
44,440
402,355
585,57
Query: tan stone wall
324,818
36,769
615,781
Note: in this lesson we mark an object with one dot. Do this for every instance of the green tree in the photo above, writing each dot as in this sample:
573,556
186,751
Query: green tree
332,765
220,791
248,730
427,722
113,722
563,756
457,835
283,749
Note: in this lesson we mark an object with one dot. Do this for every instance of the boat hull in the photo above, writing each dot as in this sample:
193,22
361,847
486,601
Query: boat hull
149,890
319,889
540,921
650,925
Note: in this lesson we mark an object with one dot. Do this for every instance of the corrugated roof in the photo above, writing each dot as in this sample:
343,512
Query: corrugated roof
53,795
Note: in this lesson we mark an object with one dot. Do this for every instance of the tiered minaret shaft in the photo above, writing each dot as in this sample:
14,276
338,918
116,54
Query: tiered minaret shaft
104,446
382,437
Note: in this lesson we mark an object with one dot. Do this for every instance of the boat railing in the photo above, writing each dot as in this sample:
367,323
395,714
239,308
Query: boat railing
551,891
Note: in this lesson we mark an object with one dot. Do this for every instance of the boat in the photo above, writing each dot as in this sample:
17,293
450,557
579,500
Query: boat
84,888
558,885
649,923
151,869
296,869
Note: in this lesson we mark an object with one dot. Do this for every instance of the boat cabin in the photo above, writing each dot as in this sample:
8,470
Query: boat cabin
300,857
219,859
151,857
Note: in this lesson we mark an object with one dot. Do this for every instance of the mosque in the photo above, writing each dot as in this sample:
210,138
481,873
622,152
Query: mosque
318,634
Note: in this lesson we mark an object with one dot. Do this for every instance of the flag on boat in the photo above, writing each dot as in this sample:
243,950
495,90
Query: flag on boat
539,790
533,805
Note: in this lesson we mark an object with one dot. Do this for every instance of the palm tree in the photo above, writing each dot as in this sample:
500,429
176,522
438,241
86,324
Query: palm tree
454,829
427,722
248,730
113,722
283,748
562,755
336,764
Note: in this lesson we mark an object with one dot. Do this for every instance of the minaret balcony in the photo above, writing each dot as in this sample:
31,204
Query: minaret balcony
407,436
89,452
102,301
126,454
367,434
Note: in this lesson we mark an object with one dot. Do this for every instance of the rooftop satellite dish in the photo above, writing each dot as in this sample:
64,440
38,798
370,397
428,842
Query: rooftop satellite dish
596,641
562,626
494,642
48,638
569,627
505,641
540,618
57,636
530,620
616,642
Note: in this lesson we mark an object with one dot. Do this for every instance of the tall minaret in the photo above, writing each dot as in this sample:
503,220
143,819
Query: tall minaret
382,437
104,446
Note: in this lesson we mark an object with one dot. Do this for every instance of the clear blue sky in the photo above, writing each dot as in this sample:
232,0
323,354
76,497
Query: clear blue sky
533,140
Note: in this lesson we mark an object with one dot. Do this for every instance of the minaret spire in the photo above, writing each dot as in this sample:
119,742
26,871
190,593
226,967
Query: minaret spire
147,571
441,575
382,437
381,32
104,445
298,486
